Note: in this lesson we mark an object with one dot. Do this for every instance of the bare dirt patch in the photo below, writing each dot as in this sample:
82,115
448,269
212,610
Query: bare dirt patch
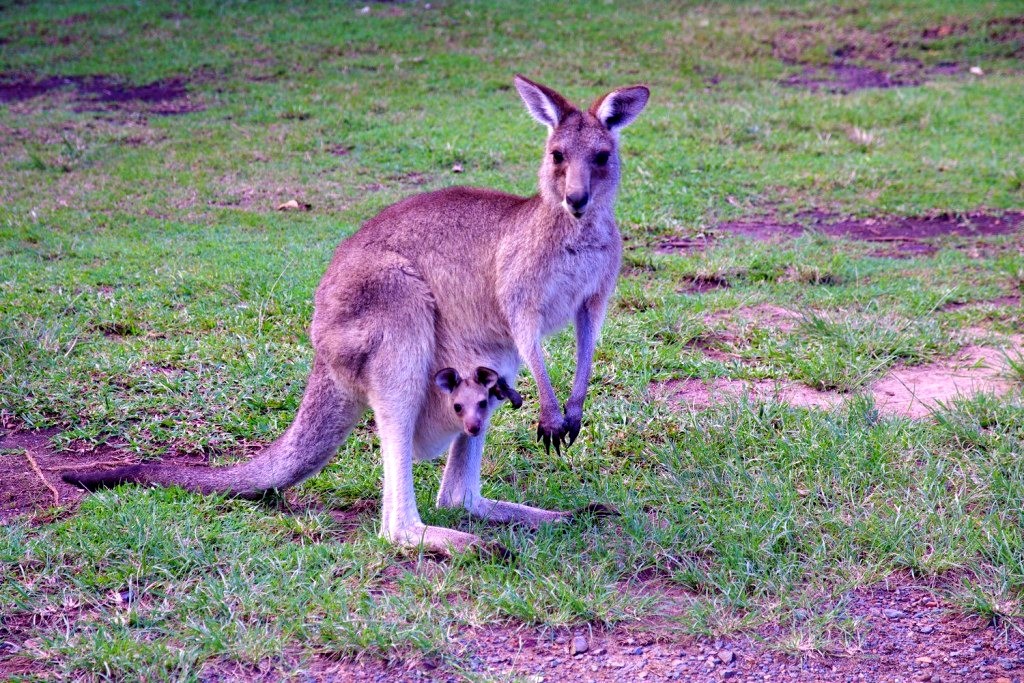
1008,301
696,393
907,391
859,59
842,77
898,236
699,284
908,632
917,391
1008,30
923,228
760,315
684,245
166,97
32,483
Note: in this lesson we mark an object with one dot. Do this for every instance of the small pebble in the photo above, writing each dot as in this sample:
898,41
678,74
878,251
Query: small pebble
578,646
893,613
926,629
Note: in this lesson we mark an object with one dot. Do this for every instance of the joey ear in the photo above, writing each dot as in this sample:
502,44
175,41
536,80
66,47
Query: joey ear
447,380
543,103
503,392
620,107
486,377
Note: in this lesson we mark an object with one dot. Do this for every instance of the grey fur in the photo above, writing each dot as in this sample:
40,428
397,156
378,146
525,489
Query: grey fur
463,278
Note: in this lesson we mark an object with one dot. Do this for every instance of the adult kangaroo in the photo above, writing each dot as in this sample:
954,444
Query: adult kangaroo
461,277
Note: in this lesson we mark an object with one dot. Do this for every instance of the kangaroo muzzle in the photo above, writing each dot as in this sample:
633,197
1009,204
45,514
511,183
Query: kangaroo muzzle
577,202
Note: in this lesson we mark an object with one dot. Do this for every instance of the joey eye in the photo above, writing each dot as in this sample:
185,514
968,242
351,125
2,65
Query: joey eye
482,405
557,156
601,158
458,407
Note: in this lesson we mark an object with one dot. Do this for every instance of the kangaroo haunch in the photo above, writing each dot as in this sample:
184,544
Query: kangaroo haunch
461,278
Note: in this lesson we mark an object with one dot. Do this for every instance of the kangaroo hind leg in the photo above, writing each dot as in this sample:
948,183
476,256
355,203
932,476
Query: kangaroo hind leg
460,486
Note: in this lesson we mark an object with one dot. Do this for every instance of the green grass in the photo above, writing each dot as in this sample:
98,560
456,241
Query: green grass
152,297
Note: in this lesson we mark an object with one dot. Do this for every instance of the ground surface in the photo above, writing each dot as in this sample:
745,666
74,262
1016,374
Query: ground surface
807,404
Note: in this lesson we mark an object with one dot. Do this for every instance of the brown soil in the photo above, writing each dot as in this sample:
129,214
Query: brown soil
684,245
908,632
917,391
698,284
1008,30
1008,301
761,315
863,59
24,491
695,393
844,78
917,229
100,93
908,391
899,236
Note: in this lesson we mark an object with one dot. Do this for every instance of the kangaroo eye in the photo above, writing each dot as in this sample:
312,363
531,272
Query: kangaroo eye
482,404
601,158
458,407
557,156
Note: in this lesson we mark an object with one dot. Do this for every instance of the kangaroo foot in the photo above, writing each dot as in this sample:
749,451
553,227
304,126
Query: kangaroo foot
446,542
502,511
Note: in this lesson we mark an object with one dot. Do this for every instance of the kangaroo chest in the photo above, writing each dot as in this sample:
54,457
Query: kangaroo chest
581,270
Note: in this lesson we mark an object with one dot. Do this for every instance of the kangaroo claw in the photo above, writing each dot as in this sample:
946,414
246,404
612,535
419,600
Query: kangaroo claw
572,430
556,437
495,551
597,510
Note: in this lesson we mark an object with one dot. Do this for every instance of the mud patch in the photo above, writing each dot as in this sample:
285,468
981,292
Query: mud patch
32,483
166,97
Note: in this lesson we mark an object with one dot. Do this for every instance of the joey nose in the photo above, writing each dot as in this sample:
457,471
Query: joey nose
473,429
578,201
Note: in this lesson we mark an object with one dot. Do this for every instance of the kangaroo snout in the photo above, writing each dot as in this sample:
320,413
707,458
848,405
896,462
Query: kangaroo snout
577,202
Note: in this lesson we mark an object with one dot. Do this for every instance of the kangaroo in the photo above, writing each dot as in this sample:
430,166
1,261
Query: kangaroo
460,276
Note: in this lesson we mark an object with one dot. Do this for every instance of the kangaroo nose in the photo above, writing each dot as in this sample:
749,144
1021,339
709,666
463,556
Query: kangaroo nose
578,201
473,430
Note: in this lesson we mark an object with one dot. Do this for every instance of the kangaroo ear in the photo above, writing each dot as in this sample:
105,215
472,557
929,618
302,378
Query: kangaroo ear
447,380
620,107
543,103
503,392
486,377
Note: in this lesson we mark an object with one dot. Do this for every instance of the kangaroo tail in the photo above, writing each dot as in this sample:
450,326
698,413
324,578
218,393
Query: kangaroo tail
326,416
